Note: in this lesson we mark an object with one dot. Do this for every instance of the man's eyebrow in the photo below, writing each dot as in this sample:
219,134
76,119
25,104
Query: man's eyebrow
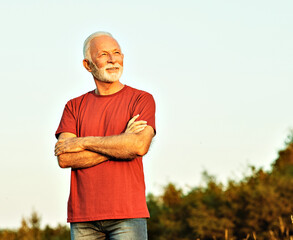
106,51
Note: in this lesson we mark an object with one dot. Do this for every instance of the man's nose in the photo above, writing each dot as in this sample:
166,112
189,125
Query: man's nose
111,58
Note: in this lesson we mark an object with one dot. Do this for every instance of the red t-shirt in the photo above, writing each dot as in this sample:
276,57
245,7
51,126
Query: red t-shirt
114,189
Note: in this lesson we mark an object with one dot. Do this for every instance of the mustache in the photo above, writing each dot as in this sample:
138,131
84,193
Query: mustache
109,65
115,65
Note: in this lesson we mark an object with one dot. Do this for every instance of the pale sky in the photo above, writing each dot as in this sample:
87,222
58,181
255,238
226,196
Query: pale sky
220,72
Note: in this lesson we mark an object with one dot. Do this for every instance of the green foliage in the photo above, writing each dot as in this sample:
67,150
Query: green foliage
257,207
30,230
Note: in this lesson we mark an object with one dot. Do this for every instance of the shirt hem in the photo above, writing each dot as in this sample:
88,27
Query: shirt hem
89,219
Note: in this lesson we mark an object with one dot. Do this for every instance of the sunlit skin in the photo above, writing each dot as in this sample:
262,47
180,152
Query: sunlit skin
78,157
105,50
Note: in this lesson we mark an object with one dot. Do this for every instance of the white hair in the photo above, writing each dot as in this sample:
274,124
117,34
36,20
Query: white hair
86,44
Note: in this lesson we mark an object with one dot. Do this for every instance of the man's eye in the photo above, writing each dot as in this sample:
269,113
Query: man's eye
117,52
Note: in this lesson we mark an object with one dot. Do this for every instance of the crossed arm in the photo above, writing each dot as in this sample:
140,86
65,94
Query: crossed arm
83,152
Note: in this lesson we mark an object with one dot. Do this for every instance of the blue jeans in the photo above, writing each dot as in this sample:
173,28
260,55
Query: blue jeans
121,229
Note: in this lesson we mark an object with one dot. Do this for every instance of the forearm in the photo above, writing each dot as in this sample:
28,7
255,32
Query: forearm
123,146
83,159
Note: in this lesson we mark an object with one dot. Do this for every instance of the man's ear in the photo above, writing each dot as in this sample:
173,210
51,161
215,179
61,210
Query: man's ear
86,64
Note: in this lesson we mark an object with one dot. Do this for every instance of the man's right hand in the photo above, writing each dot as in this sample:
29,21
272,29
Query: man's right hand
135,126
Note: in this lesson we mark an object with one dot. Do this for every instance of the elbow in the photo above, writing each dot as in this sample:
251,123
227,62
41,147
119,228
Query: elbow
143,142
62,161
142,148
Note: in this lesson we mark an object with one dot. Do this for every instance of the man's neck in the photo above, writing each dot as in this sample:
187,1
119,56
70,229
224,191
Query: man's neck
104,88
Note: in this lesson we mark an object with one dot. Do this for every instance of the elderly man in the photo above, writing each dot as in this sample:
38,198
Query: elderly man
102,137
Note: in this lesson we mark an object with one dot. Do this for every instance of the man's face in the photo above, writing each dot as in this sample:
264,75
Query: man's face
107,59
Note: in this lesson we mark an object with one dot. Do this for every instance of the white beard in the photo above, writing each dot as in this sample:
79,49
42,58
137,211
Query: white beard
102,75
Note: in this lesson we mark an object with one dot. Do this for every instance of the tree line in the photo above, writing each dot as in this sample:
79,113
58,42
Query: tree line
30,230
257,207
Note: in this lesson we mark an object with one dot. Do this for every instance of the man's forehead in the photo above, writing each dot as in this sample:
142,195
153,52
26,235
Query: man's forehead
103,43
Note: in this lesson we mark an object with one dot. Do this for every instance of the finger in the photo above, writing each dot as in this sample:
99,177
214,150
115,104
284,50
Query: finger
135,117
139,129
135,125
58,151
59,143
58,147
141,122
132,120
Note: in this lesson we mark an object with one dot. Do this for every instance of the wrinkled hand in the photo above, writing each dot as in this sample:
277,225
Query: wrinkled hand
135,126
68,145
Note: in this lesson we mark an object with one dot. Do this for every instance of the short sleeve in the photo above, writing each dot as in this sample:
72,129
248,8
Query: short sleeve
68,120
146,108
